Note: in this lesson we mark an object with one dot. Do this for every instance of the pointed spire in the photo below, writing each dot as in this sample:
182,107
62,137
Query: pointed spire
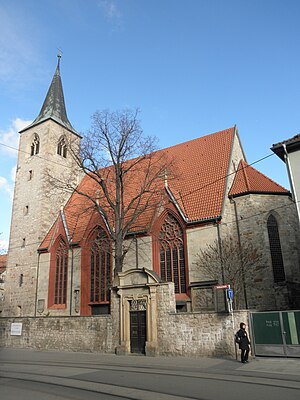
54,105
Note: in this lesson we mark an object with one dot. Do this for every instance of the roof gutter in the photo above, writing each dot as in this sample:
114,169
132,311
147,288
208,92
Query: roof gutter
204,220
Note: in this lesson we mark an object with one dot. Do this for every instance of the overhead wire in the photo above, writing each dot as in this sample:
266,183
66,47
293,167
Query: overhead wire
182,196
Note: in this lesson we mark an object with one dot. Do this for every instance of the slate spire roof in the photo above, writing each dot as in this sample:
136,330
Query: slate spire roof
54,104
249,180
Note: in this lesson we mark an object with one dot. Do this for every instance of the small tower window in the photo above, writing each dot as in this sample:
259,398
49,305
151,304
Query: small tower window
26,210
23,242
35,145
62,148
30,174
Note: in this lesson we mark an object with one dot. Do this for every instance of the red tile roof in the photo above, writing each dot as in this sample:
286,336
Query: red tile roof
194,181
197,182
249,180
3,262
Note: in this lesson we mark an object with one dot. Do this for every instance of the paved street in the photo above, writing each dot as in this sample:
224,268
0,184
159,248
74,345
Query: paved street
28,374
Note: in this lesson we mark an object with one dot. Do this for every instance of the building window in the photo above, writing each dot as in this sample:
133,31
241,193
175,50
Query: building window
61,271
275,249
100,271
35,145
26,210
62,148
21,279
23,242
172,257
30,174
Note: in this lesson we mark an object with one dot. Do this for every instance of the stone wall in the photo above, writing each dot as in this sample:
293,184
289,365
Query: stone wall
195,334
253,212
35,207
87,334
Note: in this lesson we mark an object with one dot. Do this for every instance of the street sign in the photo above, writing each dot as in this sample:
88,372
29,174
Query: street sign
230,294
221,287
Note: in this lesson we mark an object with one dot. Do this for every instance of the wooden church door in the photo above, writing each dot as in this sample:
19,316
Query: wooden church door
138,328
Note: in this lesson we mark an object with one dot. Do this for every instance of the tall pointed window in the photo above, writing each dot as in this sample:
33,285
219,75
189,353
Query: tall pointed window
275,248
100,273
62,148
172,258
35,145
61,273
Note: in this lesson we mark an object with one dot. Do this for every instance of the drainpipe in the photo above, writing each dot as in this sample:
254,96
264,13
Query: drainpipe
136,253
37,284
240,248
221,259
71,282
221,255
291,179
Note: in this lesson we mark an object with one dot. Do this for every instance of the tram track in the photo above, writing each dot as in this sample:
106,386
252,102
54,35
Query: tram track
80,370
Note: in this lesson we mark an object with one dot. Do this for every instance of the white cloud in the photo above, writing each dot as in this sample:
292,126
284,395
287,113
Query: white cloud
5,186
13,173
3,246
10,137
110,10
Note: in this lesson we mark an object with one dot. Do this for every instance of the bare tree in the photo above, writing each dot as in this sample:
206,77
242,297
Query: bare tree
127,174
231,263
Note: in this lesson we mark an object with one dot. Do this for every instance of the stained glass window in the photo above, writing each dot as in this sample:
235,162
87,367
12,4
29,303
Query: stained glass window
61,273
100,269
172,259
275,248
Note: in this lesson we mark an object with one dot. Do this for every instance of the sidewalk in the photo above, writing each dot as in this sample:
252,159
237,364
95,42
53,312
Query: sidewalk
276,368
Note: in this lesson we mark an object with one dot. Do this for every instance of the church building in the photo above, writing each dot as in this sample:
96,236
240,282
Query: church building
60,269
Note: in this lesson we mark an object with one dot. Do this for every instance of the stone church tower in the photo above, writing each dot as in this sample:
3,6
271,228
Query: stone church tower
43,153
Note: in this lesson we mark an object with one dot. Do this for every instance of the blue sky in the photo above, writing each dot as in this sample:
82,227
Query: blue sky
193,67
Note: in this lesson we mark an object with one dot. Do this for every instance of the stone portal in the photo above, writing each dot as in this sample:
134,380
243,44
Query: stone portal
137,289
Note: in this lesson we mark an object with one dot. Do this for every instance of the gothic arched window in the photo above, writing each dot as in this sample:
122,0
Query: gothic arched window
35,145
275,249
172,257
100,271
62,148
61,273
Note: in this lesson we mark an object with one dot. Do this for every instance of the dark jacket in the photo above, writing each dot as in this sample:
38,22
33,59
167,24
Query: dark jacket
244,344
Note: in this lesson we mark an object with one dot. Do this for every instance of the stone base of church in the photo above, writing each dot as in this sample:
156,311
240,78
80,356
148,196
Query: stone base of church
179,334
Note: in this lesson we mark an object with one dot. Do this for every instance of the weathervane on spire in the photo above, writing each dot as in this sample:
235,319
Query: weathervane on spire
59,55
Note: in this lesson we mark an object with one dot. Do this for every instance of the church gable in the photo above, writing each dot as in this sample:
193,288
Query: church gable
249,180
57,229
